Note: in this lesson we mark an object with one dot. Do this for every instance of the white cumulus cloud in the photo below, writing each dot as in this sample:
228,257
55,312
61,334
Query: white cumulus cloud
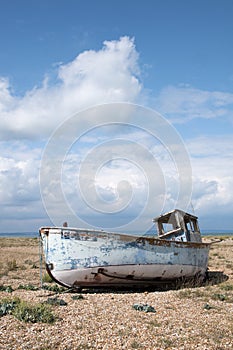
93,77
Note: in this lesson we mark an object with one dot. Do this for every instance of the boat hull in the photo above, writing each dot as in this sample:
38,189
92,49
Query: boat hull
78,258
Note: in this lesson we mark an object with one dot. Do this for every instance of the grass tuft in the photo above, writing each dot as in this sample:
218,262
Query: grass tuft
11,265
33,313
46,278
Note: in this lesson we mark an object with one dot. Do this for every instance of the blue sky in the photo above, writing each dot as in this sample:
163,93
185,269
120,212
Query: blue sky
60,57
182,41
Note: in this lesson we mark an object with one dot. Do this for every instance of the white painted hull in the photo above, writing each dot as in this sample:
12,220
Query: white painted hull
77,258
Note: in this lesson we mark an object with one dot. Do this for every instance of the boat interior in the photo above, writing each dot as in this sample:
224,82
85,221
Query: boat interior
179,226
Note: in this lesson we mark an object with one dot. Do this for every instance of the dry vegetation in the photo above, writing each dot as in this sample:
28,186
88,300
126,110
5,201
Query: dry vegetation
188,318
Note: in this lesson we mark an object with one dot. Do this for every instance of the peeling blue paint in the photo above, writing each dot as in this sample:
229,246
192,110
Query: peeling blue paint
124,255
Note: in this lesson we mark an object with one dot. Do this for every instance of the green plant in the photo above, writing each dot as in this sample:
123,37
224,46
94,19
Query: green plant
33,313
54,288
7,306
28,287
77,297
26,312
208,307
56,301
7,289
144,307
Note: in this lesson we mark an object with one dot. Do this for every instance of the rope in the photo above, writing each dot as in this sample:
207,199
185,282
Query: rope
41,261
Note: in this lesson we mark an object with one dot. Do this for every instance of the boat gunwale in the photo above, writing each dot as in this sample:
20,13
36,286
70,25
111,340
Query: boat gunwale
138,239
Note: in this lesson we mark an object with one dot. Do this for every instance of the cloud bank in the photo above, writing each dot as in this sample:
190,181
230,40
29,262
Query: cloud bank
111,74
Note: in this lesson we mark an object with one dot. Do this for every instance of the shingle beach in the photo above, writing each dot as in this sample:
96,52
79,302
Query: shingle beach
186,318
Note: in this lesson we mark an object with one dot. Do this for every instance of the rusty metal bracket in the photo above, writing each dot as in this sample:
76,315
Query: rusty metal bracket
126,277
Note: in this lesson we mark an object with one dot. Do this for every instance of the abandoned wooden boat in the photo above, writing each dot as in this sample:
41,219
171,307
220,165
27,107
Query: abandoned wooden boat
78,258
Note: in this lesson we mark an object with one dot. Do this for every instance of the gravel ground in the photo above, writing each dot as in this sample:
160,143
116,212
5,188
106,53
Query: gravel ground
188,318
